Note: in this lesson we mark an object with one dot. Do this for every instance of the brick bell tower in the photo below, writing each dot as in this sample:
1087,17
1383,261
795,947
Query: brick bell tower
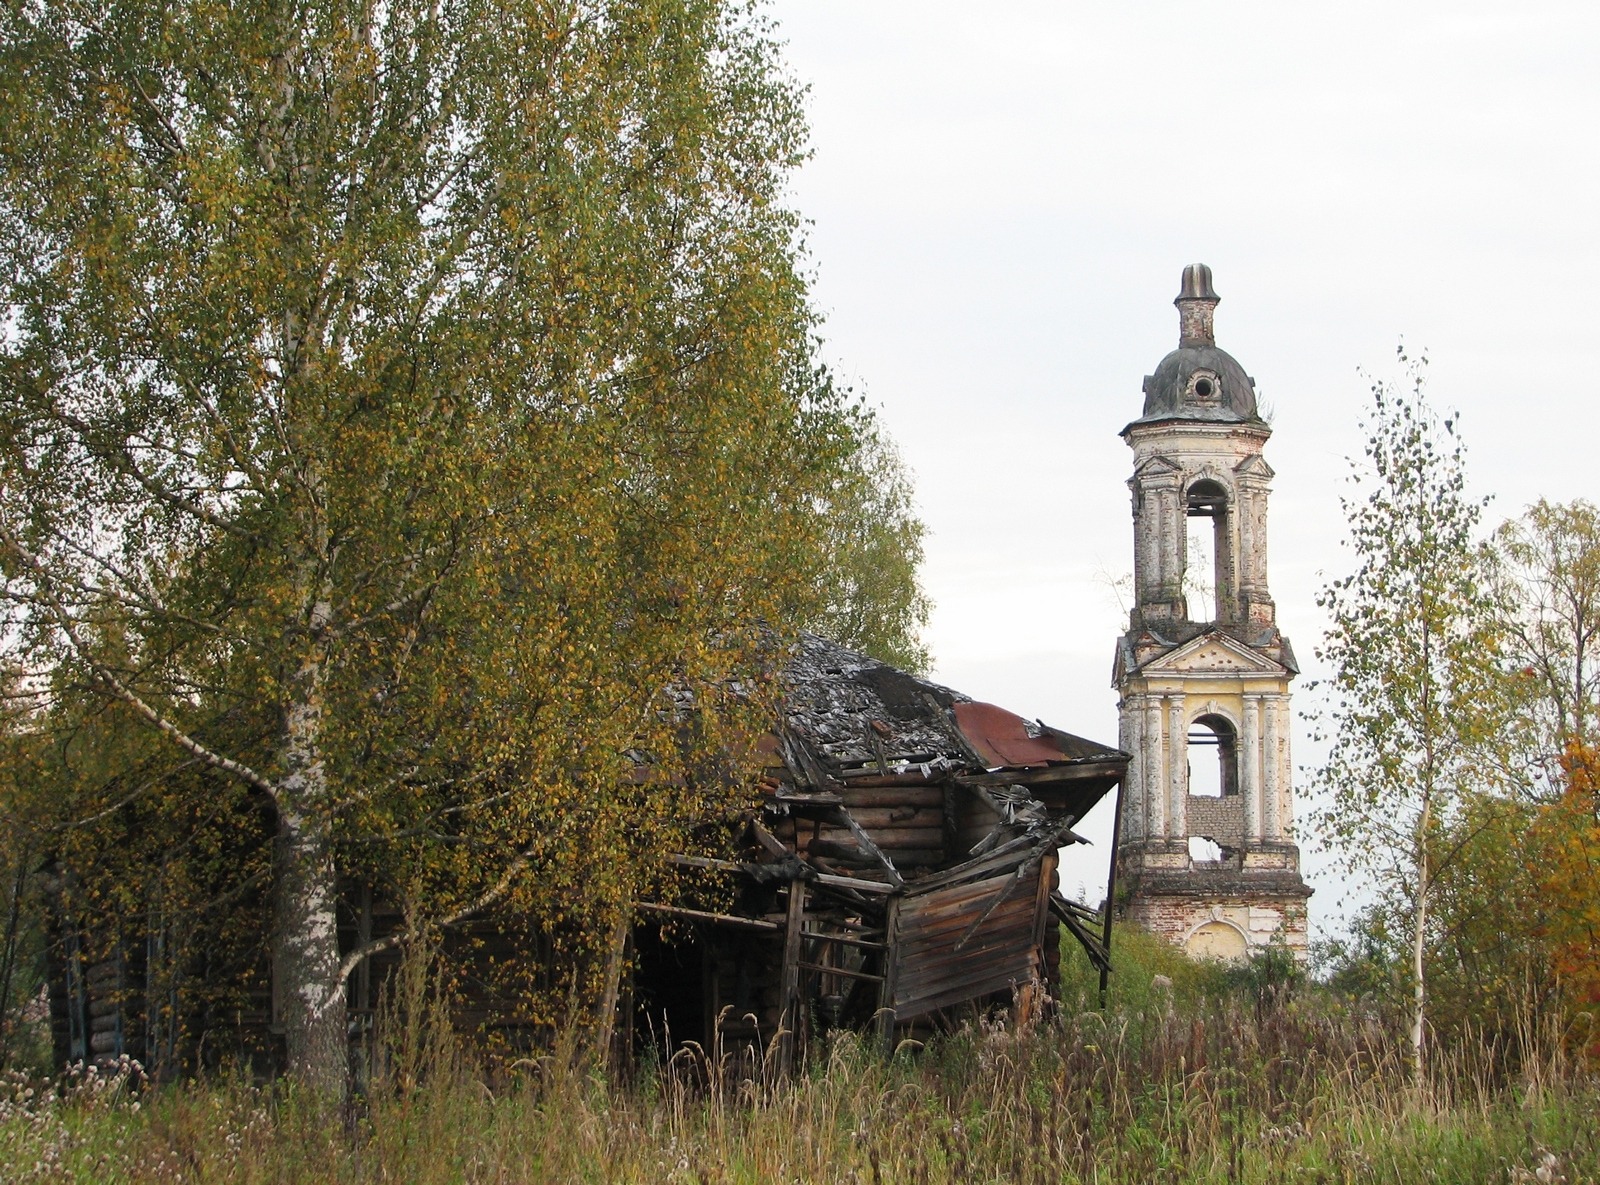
1205,858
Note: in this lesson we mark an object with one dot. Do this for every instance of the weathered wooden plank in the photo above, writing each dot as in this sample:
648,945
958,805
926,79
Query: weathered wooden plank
962,913
974,954
821,878
934,944
952,895
770,843
848,886
924,837
931,973
845,940
941,945
1005,858
996,971
915,979
873,797
886,1015
877,818
789,975
800,803
1003,980
917,857
950,927
844,971
1041,902
721,919
872,775
1081,771
871,846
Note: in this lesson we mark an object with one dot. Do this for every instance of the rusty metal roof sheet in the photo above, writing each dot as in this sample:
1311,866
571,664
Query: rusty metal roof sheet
1005,739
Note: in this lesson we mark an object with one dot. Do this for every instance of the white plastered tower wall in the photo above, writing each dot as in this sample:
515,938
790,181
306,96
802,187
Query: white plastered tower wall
1217,872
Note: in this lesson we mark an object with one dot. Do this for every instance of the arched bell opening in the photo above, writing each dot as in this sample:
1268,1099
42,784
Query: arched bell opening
1218,776
1208,571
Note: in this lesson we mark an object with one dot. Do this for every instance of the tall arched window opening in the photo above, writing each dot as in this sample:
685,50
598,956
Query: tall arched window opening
1213,776
1208,571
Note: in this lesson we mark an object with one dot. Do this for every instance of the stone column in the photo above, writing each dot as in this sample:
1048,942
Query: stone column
1250,767
1271,767
1243,531
1178,755
1132,741
1285,768
1240,533
1152,779
1257,558
1172,542
1253,594
1141,547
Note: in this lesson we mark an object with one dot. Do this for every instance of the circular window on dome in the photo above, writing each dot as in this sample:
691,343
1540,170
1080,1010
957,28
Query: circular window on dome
1204,389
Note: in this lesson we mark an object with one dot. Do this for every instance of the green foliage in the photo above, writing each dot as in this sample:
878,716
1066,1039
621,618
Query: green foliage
410,420
871,599
1544,571
1510,932
1413,649
1542,872
24,1032
1137,958
1410,639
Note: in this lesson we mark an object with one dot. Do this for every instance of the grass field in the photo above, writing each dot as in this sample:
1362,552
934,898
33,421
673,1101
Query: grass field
1191,1075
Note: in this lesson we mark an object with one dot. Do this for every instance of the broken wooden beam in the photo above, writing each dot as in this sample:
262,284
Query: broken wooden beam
702,915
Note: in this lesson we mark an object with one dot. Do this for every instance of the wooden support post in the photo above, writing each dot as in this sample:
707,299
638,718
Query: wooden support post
789,991
1044,931
891,960
951,824
1111,899
616,967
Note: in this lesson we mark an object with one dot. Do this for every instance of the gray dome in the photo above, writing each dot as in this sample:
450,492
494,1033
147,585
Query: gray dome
1200,383
1197,381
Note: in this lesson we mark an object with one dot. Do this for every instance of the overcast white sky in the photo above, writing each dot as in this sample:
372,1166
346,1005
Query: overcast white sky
1003,196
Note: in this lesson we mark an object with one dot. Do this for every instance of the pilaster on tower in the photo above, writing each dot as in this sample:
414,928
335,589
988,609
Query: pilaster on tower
1207,857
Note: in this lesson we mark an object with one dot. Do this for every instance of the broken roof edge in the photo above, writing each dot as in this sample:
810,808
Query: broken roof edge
853,711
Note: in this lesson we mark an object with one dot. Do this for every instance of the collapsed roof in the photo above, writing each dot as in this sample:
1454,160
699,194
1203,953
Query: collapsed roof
901,860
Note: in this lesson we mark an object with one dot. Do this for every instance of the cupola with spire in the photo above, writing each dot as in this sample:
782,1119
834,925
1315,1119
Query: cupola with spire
1197,381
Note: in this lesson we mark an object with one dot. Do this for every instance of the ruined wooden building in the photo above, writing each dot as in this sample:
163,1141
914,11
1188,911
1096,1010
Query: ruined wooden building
901,864
897,865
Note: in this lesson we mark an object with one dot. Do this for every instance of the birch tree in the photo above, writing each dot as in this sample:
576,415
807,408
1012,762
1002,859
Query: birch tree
405,406
1544,571
1412,650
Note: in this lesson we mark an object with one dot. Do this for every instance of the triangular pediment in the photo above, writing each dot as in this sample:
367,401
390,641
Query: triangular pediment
1216,654
1255,465
1157,465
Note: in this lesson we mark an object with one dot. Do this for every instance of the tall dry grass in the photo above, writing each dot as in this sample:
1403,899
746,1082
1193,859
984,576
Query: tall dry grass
1197,1080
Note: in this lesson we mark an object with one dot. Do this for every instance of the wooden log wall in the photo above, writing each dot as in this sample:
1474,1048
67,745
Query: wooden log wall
936,969
974,819
908,822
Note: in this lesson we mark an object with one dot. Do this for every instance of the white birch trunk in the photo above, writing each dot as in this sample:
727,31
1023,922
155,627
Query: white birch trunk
1419,991
306,965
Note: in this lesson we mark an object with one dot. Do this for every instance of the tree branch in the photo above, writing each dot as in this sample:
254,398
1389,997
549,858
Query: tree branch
116,686
485,899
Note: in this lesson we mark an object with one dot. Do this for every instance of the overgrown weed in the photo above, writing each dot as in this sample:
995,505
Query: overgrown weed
1206,1079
